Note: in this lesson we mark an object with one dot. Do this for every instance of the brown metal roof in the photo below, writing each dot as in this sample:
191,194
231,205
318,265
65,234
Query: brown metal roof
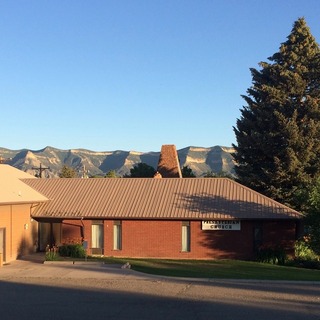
13,191
147,198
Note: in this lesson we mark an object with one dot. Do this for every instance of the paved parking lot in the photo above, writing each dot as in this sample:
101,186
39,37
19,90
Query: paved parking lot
33,290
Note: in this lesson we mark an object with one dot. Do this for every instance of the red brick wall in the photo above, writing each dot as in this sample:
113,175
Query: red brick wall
280,233
71,231
223,244
146,239
163,239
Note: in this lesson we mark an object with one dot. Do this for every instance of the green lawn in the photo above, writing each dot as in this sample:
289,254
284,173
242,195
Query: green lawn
220,269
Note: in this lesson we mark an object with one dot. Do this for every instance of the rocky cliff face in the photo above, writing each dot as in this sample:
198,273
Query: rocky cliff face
201,160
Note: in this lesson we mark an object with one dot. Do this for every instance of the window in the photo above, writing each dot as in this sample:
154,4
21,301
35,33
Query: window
185,236
117,241
97,237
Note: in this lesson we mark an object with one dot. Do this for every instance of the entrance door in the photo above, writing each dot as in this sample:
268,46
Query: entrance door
257,237
97,237
49,235
2,243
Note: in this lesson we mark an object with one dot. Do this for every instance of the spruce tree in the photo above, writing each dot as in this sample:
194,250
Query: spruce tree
278,133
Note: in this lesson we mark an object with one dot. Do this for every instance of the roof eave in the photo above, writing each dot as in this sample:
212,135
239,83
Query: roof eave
31,202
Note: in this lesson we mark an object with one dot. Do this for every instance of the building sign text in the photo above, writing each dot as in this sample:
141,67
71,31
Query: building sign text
226,225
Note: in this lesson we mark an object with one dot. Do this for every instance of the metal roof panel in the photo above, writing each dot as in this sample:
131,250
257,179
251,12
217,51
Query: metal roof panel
147,198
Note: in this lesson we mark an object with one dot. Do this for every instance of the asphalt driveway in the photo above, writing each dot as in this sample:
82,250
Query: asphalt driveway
30,289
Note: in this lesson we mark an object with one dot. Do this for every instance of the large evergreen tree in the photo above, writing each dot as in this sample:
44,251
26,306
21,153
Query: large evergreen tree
278,133
313,218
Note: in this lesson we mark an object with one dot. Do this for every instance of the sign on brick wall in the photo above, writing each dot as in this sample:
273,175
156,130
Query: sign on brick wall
226,225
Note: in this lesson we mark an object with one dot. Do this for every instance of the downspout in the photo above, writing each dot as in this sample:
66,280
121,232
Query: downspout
82,229
37,244
11,235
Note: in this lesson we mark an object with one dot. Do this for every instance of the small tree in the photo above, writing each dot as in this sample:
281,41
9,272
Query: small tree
111,174
67,172
187,172
141,170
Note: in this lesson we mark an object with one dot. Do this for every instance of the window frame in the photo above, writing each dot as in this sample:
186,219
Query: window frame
97,236
117,235
185,236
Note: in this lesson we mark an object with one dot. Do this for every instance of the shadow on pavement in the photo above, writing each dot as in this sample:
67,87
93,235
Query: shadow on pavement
70,301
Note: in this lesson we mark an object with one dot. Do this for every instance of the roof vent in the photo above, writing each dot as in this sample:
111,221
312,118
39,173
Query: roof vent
157,175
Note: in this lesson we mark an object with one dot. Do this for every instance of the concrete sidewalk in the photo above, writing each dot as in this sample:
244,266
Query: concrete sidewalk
35,266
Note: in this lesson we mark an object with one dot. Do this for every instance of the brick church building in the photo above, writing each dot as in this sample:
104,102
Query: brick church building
162,217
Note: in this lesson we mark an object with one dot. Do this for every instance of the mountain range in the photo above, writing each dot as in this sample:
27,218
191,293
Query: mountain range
215,159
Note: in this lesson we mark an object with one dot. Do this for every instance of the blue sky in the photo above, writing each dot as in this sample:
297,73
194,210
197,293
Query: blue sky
133,75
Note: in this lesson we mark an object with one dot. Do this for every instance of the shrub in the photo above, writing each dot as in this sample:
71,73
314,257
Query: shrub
51,253
305,256
303,251
72,250
275,255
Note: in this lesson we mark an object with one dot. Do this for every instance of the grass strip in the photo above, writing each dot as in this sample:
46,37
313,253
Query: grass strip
219,269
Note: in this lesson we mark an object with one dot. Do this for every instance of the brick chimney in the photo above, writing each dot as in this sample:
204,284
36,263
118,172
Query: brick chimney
169,166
